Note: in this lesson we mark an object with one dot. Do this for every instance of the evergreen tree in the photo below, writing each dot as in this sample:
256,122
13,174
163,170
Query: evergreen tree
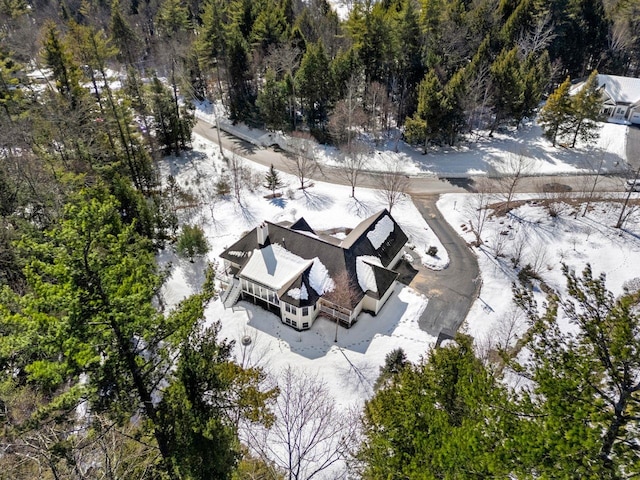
426,123
440,419
66,72
315,84
173,130
585,111
192,242
241,92
123,35
586,378
173,18
273,103
555,115
272,180
201,409
508,87
88,330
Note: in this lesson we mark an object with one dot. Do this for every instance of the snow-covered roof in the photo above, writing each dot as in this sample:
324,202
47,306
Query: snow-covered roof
621,89
274,266
299,293
381,232
319,278
365,273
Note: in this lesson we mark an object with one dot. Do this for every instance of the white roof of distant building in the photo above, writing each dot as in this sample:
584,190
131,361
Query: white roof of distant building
621,89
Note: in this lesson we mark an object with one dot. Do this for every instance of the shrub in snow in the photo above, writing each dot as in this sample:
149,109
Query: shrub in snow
192,242
432,251
222,187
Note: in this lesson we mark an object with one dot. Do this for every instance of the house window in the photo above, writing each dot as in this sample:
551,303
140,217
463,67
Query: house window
287,321
290,308
295,324
305,311
305,325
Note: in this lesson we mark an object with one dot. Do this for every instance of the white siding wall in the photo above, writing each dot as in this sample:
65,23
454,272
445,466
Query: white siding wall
297,319
374,304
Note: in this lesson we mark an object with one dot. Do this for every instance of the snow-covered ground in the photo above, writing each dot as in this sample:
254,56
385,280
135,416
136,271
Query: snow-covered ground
545,242
477,155
350,366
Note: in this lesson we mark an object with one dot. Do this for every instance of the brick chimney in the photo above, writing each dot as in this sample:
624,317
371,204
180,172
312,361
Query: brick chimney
263,233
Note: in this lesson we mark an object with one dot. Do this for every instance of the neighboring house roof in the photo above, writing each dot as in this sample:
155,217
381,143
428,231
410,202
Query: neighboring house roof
376,241
616,90
622,90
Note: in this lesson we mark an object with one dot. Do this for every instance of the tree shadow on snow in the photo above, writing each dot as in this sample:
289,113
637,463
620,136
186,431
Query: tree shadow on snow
317,201
359,209
278,202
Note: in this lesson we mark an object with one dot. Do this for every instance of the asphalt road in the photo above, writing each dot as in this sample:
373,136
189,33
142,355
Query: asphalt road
420,185
451,291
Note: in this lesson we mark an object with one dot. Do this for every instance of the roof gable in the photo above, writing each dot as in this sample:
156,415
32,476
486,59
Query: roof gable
302,226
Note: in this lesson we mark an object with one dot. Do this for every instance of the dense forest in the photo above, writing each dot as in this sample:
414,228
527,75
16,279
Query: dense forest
99,380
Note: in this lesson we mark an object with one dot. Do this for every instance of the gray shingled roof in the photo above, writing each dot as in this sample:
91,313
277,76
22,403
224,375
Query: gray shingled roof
336,256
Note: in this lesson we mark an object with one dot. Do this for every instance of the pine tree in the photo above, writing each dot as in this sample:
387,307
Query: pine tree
508,86
173,129
586,106
445,417
192,242
66,72
555,115
315,84
272,180
273,103
426,123
585,381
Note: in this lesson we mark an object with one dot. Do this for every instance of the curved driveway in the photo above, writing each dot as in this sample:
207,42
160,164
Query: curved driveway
453,290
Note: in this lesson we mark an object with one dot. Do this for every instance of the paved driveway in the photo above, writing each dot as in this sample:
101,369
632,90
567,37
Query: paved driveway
451,291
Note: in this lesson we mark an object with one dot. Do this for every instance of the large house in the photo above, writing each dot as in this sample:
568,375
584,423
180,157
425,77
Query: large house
299,274
620,98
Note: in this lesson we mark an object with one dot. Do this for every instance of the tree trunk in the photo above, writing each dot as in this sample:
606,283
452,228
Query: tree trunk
575,134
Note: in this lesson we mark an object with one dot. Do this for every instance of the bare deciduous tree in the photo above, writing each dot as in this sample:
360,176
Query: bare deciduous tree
516,167
309,435
627,210
347,114
392,185
301,159
538,37
477,207
378,107
341,298
538,257
239,175
354,161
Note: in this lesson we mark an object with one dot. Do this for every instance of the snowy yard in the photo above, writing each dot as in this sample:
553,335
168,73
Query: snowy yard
350,365
545,242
